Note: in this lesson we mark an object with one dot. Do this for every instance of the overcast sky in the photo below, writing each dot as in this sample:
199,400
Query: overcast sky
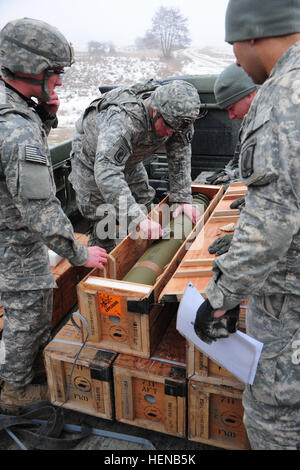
119,21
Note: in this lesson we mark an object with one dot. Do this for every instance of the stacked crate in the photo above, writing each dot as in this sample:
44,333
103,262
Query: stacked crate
126,318
215,411
151,393
79,382
160,381
66,277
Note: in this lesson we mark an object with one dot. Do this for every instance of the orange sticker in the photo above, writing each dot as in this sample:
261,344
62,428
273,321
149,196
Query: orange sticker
110,304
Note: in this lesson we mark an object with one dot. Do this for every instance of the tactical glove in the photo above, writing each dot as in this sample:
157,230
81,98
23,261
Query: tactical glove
238,204
209,329
219,177
220,245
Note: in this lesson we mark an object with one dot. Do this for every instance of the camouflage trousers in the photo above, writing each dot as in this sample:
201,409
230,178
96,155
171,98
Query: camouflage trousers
143,193
272,403
27,322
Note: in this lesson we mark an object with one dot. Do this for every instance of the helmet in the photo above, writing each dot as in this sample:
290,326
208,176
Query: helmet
177,102
31,46
232,85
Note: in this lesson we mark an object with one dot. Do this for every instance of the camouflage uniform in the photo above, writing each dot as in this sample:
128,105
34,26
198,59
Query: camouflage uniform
113,137
31,220
263,262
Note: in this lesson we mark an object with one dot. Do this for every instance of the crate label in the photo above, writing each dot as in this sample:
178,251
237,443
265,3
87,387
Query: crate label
110,304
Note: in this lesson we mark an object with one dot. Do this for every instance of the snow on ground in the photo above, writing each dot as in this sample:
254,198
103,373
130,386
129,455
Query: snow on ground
81,81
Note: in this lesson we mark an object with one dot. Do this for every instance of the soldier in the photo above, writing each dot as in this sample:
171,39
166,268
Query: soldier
113,137
263,263
234,91
33,56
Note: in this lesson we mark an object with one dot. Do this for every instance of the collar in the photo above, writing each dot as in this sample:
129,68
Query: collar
288,61
29,101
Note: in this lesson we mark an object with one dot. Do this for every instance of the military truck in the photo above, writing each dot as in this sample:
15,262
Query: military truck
213,146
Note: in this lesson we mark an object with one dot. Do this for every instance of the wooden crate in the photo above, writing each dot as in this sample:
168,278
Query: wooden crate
215,415
67,277
196,265
151,393
123,316
91,386
201,365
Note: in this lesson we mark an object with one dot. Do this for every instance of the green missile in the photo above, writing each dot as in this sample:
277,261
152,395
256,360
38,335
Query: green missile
153,262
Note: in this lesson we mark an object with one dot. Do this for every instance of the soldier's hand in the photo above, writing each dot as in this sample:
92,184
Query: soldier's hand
220,245
209,326
188,209
206,326
150,230
97,257
53,104
238,204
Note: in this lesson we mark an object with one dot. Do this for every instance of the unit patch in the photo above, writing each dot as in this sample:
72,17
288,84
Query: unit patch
247,160
122,152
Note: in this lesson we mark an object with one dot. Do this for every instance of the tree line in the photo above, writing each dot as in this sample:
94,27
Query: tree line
169,32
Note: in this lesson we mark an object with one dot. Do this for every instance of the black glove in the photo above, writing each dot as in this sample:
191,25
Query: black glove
219,177
238,203
220,245
209,329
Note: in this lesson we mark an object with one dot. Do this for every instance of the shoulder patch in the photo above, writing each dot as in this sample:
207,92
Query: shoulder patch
35,155
247,160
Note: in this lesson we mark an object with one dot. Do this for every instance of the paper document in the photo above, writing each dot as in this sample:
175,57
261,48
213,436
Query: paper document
239,353
54,258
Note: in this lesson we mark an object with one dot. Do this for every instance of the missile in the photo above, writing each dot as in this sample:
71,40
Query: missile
153,262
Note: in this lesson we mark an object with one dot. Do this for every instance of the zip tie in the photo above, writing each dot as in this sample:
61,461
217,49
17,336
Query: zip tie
17,441
166,360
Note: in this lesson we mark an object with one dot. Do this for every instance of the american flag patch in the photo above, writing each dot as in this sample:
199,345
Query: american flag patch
35,155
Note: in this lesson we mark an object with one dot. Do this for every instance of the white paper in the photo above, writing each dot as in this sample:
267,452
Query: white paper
239,353
54,258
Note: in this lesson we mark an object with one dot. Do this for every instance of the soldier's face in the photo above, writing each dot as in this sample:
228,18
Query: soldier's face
161,128
247,55
239,109
36,90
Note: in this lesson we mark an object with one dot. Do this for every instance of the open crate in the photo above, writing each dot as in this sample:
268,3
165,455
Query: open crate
124,316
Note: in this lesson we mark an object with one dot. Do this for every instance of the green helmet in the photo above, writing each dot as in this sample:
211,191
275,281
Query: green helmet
251,19
177,102
232,85
31,46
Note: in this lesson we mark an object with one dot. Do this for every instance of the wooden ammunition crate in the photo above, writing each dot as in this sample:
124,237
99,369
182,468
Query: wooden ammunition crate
91,386
215,415
67,277
201,365
125,316
196,265
151,393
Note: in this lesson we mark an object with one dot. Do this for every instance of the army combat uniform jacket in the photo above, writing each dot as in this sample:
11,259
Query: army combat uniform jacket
264,256
31,215
113,137
263,262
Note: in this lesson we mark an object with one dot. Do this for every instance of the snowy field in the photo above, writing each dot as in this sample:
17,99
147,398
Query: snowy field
81,81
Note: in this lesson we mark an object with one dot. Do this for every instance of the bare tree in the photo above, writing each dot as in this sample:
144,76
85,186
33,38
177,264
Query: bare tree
170,28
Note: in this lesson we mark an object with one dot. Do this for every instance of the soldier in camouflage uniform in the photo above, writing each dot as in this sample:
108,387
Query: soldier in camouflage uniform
263,262
234,91
113,137
33,55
